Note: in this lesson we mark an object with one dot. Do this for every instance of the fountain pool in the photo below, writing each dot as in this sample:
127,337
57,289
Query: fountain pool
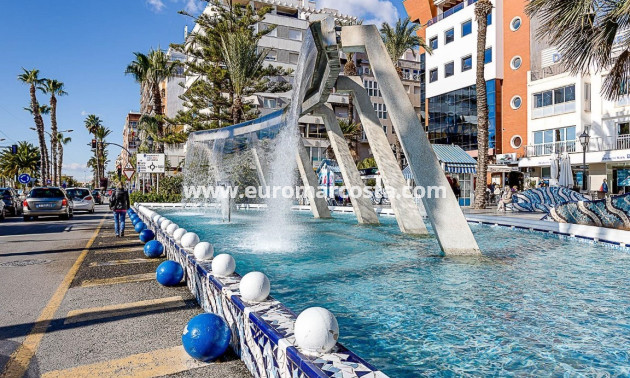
533,304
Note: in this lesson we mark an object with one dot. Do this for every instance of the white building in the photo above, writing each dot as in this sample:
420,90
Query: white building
564,106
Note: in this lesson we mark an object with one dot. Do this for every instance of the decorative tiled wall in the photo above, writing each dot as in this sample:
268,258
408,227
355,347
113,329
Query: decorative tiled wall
612,212
543,199
262,333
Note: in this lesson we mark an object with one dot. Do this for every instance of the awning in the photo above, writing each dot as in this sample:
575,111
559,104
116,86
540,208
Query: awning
452,158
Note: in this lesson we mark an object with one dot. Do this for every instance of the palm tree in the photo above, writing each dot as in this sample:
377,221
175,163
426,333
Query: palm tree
26,160
243,61
400,38
149,71
62,141
587,34
101,133
483,8
54,88
92,124
32,79
148,128
43,110
351,131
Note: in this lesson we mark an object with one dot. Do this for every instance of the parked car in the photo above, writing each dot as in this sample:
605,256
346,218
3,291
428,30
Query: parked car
12,201
47,201
98,198
82,198
2,211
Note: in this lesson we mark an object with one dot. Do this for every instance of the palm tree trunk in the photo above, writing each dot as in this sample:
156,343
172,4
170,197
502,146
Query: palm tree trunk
59,160
482,9
350,108
237,109
157,109
53,139
39,124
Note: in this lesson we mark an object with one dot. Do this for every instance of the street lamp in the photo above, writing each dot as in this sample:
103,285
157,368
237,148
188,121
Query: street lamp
584,141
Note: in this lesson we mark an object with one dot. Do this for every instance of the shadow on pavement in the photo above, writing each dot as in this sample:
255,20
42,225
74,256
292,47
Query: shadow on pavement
6,348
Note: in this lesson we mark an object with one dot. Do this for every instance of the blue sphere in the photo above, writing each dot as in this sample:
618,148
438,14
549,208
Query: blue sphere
133,217
130,211
139,226
206,337
169,273
153,249
146,235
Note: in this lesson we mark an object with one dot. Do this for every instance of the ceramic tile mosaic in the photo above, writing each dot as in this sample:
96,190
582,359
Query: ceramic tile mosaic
543,199
262,333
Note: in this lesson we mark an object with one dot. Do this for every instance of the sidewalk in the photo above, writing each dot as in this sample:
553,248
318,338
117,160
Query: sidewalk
116,320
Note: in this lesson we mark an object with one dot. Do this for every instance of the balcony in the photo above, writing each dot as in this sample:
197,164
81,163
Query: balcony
450,12
597,144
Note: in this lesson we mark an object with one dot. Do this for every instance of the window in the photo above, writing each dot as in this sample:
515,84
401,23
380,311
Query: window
381,111
488,56
293,58
295,34
269,103
467,63
555,96
449,69
467,28
449,36
516,102
433,75
515,24
417,90
516,62
433,42
516,141
272,56
273,33
372,88
385,129
489,18
623,128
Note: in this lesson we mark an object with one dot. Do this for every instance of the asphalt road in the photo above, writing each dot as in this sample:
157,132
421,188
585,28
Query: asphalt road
86,318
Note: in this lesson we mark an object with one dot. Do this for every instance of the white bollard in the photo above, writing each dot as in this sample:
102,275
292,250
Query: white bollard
255,287
316,331
203,251
223,265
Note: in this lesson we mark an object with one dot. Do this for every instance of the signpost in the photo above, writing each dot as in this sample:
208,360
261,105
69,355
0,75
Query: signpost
129,171
150,163
24,178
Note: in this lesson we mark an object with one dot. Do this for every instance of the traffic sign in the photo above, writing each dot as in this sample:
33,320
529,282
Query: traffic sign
24,178
150,163
129,171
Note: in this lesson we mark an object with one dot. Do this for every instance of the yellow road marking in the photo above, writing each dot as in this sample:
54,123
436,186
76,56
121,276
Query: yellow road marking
119,250
111,311
122,262
21,357
152,364
118,280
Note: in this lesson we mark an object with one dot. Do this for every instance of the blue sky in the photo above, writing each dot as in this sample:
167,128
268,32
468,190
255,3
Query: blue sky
87,45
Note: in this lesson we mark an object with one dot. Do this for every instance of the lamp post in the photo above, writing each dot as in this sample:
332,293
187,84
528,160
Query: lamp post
584,141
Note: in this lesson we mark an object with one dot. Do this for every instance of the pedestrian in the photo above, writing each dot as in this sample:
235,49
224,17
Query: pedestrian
506,199
604,187
119,204
457,189
497,194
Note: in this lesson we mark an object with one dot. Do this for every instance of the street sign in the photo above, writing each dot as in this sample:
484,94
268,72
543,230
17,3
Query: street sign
150,163
129,171
24,178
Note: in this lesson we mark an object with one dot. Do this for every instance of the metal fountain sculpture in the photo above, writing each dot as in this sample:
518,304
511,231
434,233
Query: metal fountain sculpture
317,74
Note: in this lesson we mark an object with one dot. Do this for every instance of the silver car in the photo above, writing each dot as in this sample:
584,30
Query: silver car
47,201
82,198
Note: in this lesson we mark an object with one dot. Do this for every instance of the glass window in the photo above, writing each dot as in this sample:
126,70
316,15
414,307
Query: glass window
78,193
516,102
46,193
269,103
558,96
293,58
570,131
548,136
433,75
449,69
449,36
547,98
433,42
569,93
538,137
623,128
515,24
516,63
538,102
272,56
467,63
295,34
488,55
489,18
466,28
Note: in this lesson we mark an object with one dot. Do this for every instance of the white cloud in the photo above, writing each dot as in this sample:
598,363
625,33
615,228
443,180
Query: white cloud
193,6
371,11
156,5
84,113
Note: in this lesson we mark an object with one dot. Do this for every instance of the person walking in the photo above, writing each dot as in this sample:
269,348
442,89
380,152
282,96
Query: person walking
119,204
604,188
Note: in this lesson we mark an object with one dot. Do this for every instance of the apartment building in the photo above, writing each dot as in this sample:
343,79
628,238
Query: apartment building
563,106
450,28
131,140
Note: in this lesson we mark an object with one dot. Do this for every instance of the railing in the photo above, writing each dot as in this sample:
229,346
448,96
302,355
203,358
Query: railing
450,12
596,144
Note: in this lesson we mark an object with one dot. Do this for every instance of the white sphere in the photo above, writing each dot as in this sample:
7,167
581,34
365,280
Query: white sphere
165,224
155,218
171,228
160,220
223,265
316,330
255,287
189,240
177,234
203,251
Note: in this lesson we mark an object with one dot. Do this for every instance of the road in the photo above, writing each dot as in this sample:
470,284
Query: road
74,300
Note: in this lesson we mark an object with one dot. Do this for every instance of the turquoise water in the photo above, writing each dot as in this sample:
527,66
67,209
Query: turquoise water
532,305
